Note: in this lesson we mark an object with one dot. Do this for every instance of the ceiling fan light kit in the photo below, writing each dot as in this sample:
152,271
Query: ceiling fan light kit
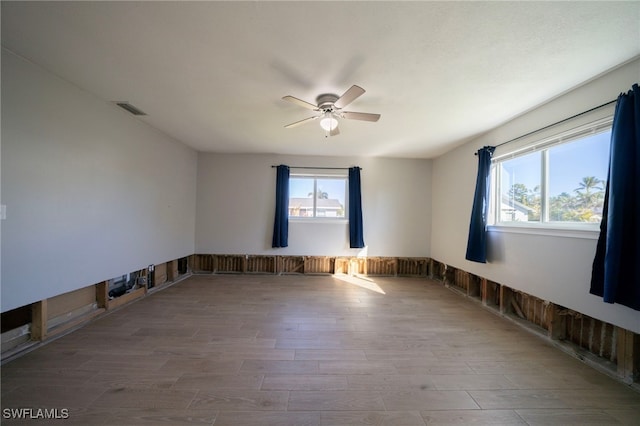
328,123
329,107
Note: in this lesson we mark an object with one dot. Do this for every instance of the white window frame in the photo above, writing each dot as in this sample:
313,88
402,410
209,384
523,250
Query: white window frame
315,176
543,227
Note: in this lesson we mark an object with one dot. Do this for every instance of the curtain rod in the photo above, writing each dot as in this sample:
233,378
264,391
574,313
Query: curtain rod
556,123
316,168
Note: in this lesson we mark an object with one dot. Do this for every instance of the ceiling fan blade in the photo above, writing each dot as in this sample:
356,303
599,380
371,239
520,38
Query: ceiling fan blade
335,131
349,96
364,116
297,123
300,102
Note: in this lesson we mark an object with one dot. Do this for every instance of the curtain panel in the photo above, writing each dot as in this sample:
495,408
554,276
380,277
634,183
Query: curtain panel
616,266
281,222
477,241
356,238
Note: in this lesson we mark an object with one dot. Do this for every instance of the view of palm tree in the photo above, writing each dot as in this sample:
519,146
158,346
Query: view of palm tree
584,205
321,195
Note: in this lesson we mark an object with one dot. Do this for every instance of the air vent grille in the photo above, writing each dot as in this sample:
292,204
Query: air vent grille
133,110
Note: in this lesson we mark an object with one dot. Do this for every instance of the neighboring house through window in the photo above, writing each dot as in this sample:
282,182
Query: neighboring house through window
316,196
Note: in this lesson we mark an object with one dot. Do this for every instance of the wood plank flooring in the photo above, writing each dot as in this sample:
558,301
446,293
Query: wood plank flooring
309,350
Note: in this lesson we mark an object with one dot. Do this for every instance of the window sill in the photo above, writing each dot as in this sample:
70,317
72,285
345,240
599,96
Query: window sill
589,233
318,220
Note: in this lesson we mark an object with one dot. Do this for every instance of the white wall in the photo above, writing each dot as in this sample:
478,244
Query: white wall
91,192
554,268
236,203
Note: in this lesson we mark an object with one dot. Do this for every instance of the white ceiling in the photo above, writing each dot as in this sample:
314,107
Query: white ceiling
212,74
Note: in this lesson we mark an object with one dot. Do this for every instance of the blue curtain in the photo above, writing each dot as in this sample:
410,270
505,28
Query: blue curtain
616,266
356,238
477,242
281,222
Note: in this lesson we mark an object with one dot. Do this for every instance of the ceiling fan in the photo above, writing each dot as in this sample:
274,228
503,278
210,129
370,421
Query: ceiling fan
330,108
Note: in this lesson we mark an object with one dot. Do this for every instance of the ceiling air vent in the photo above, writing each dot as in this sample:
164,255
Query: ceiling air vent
133,110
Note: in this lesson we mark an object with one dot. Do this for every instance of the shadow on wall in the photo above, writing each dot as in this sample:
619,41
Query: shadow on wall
495,249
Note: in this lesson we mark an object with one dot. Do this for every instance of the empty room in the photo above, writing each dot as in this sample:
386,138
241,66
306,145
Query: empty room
320,213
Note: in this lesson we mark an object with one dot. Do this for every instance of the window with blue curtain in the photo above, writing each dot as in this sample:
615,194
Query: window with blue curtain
477,241
616,266
356,237
281,221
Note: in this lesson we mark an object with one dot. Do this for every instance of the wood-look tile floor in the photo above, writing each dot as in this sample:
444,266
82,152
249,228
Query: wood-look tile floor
310,350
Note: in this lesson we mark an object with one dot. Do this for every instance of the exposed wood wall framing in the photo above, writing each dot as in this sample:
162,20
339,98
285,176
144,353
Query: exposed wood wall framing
261,264
413,267
39,320
382,266
172,270
24,327
358,266
160,274
438,270
201,263
341,265
264,264
531,308
229,264
290,264
591,334
15,318
319,264
628,360
490,293
602,344
461,280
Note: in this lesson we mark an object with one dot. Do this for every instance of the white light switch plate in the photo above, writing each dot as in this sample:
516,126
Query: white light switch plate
3,211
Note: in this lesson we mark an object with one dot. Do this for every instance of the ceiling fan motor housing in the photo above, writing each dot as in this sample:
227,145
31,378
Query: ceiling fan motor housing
325,102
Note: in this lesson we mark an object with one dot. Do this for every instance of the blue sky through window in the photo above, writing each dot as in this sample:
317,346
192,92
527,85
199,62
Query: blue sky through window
568,164
335,188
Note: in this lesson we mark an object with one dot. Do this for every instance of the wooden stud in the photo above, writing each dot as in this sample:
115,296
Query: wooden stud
474,286
628,355
102,294
39,320
484,287
159,274
516,308
172,270
506,296
244,264
557,323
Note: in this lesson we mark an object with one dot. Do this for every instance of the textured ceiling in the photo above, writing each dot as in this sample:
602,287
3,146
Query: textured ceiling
212,74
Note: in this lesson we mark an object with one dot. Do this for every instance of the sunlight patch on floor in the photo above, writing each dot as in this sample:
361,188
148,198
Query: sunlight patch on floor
363,282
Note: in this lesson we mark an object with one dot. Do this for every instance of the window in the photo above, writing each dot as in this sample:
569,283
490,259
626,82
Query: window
559,181
313,196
